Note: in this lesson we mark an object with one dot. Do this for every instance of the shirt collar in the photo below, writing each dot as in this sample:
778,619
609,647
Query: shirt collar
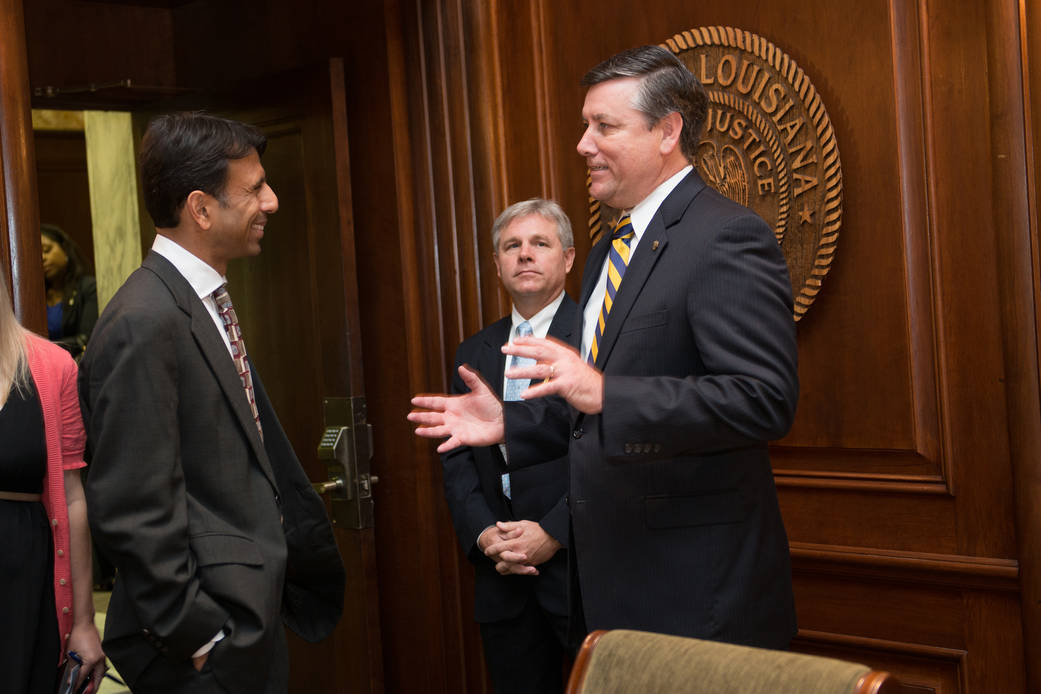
644,210
203,278
540,322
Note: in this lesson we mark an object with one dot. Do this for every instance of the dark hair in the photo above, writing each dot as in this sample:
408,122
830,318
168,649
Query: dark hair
666,86
183,152
76,267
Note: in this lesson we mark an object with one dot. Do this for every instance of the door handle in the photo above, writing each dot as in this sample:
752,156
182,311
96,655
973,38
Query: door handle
346,450
328,486
337,484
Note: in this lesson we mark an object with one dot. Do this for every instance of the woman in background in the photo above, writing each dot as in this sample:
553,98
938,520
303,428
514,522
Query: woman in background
46,604
72,295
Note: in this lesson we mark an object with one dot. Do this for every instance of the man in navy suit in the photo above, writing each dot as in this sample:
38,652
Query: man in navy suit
505,519
674,513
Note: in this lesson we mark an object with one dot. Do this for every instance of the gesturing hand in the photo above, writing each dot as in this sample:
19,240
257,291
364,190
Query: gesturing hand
559,370
470,419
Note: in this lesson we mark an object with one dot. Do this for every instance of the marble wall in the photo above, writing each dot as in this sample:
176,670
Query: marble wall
113,198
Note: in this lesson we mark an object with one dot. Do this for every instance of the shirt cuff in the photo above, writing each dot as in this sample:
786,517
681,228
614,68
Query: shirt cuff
208,646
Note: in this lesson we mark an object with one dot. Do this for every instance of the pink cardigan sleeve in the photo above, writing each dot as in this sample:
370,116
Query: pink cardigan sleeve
54,374
73,434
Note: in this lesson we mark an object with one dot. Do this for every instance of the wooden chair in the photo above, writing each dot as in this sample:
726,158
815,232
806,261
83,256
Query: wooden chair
637,662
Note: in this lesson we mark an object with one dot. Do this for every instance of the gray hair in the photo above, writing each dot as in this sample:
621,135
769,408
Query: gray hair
666,86
547,209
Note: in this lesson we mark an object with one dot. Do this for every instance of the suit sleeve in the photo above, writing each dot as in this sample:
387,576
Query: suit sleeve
739,310
557,521
536,431
136,486
466,502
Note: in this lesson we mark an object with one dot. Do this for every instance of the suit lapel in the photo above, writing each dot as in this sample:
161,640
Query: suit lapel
565,323
653,245
491,360
214,351
591,272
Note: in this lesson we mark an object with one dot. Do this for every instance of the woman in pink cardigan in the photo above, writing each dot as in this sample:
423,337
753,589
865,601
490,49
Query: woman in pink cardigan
46,603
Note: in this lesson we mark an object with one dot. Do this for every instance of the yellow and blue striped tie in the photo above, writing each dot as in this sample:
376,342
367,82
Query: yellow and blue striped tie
617,262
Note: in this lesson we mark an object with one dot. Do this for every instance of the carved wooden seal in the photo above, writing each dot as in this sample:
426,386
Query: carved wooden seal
768,144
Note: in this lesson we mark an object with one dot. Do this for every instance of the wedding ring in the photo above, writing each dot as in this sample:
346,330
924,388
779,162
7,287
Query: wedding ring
552,371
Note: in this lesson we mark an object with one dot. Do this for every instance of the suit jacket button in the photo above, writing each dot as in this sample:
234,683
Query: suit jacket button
577,433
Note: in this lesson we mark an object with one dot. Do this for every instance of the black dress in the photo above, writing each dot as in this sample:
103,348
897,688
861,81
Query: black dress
29,645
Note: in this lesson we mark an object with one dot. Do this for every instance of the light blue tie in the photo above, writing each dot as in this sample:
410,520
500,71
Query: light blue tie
516,386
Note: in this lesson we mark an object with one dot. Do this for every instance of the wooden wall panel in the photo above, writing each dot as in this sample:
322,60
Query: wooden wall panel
432,89
20,235
932,669
98,42
1018,211
910,482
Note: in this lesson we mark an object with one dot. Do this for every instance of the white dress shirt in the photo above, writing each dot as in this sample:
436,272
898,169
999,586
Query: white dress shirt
203,278
640,216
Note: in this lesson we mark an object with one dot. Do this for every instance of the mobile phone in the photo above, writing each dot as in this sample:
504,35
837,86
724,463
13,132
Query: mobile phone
73,665
70,674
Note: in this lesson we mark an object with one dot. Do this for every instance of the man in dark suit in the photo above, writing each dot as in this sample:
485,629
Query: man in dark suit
522,516
692,371
195,493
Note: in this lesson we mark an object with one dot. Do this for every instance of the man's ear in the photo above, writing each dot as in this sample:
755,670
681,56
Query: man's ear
197,205
671,126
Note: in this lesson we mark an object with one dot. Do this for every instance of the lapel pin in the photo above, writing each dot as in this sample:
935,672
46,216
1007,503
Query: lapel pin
654,246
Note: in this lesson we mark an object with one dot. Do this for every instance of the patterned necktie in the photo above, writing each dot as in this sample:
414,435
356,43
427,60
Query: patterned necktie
515,386
238,349
617,262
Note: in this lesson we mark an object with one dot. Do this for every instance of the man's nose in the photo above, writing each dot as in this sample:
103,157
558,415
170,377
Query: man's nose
585,145
268,200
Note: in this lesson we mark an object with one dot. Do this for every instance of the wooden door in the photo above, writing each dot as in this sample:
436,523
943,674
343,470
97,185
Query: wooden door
298,306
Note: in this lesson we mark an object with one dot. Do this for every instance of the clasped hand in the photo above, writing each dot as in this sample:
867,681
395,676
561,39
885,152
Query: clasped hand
517,547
